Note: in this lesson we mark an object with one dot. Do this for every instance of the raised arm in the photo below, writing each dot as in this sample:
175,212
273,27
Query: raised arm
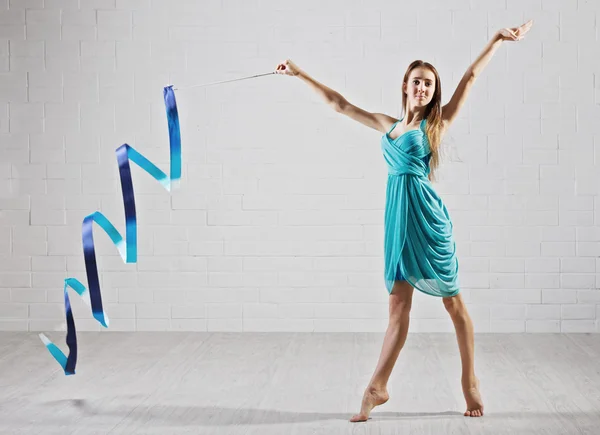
336,101
450,110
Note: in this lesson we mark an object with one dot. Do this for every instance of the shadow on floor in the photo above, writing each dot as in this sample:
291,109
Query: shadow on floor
141,413
174,415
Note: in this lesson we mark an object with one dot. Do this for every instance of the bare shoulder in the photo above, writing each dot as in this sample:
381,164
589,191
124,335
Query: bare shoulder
446,109
386,121
378,121
445,125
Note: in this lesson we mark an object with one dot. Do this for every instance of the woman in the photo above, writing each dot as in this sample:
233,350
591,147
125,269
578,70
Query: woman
419,247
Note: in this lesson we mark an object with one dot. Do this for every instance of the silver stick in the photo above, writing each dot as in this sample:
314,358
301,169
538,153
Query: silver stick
225,81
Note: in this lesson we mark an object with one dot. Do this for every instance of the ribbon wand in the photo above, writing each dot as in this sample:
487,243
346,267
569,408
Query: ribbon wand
226,81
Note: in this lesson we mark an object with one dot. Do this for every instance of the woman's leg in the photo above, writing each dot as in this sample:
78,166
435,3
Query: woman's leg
399,306
463,325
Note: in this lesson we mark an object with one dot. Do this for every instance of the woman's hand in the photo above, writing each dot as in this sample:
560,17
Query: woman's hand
287,68
515,33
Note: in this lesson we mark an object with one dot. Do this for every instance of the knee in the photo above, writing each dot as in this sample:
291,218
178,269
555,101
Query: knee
403,305
400,310
454,305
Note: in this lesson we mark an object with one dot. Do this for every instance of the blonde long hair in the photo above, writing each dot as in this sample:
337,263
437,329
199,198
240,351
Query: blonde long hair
433,114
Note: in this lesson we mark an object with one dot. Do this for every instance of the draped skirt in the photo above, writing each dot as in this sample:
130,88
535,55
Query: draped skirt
418,241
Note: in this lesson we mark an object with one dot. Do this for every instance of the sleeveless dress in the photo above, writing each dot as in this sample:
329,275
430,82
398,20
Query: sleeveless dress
418,242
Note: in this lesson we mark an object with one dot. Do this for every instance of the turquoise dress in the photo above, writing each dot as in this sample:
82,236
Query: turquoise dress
418,242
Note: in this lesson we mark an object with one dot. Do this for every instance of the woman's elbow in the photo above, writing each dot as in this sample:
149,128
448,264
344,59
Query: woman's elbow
338,104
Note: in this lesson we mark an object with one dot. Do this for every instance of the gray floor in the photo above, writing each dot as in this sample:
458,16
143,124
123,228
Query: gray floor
295,383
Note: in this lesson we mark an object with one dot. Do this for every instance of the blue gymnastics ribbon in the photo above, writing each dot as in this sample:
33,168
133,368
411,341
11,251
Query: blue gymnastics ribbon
127,248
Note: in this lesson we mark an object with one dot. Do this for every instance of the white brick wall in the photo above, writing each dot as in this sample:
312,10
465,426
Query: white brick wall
277,224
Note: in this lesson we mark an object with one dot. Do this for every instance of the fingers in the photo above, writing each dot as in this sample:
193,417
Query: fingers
517,33
281,68
524,28
528,24
287,67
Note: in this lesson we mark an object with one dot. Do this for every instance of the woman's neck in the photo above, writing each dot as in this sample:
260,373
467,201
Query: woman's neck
414,114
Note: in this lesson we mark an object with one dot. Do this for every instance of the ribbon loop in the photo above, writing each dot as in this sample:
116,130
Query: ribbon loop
127,248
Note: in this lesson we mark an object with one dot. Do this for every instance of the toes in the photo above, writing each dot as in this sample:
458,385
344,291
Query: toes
473,413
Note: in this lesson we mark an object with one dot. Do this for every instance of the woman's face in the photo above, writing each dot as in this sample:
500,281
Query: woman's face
420,87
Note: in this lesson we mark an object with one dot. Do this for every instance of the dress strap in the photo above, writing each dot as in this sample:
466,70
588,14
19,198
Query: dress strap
423,122
394,125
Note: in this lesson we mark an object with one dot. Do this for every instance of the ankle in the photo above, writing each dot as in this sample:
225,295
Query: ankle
376,386
469,381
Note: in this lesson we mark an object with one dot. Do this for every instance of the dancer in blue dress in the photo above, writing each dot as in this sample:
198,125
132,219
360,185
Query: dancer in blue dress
419,249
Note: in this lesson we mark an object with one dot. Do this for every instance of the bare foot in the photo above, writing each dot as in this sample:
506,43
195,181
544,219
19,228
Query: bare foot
473,398
373,397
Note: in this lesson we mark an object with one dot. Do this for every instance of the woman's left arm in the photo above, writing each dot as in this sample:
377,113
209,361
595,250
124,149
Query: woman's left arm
450,110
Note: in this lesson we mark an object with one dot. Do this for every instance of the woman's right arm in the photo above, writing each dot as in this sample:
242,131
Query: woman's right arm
336,101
